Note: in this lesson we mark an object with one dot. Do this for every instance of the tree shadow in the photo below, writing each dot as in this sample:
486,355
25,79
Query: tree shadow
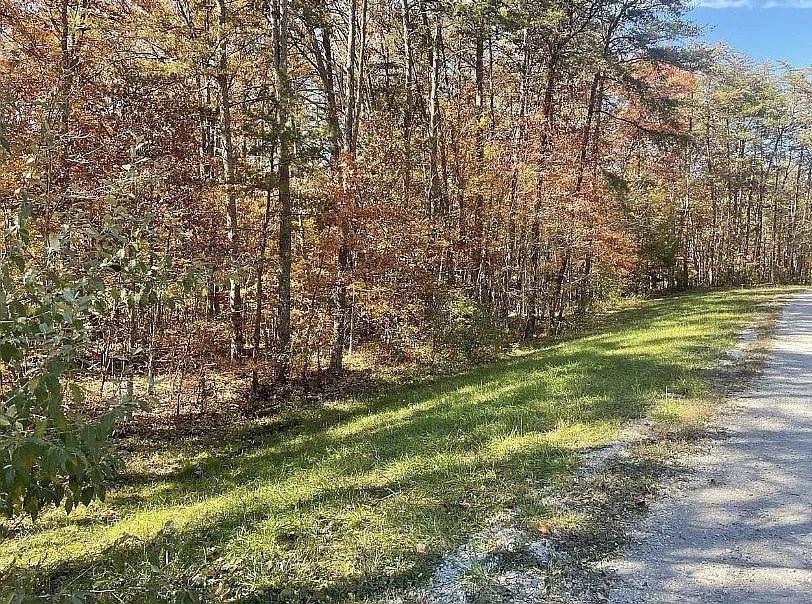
363,480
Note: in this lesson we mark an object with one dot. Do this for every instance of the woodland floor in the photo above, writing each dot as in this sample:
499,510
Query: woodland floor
363,497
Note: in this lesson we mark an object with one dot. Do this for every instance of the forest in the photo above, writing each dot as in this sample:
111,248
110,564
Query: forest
219,212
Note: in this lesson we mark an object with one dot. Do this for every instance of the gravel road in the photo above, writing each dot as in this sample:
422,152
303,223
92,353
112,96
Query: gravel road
741,529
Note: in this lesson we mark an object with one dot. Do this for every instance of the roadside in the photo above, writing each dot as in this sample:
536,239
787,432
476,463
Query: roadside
740,529
596,512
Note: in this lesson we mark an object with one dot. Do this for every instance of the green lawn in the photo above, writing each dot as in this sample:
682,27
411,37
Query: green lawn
345,498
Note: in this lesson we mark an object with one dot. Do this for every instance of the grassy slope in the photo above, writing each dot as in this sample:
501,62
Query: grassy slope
345,498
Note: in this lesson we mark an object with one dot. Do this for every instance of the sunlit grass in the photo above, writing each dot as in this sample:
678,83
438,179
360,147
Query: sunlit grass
365,493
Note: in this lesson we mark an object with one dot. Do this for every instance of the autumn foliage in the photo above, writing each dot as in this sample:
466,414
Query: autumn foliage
391,183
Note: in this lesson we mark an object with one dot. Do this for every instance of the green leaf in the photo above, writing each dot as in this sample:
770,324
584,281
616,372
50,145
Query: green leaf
87,495
56,459
76,392
10,352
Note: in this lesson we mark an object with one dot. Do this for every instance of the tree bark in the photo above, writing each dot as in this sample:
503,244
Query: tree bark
408,85
531,321
436,198
283,306
229,177
354,78
479,151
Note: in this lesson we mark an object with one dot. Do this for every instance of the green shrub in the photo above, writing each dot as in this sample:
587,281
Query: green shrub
463,331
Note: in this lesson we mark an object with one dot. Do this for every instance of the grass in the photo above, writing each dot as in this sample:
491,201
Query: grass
364,494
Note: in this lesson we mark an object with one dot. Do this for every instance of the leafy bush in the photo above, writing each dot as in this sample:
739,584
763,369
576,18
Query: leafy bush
56,285
462,331
47,455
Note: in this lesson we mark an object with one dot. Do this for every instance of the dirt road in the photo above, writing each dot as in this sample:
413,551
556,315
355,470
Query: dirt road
741,531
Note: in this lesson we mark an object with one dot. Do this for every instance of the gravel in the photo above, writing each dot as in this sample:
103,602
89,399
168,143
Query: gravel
740,530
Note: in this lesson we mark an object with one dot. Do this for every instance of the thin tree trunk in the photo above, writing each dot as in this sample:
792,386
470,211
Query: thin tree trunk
408,74
65,93
70,42
283,307
479,150
229,176
354,75
436,197
260,287
531,321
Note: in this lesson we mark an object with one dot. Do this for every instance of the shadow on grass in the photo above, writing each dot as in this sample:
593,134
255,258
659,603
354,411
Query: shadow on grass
336,500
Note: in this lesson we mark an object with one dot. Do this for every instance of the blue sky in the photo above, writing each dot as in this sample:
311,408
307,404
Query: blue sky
762,29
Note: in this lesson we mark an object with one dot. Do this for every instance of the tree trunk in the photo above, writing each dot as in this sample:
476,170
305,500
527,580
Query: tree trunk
408,73
283,307
256,339
229,176
70,44
479,150
354,75
531,321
